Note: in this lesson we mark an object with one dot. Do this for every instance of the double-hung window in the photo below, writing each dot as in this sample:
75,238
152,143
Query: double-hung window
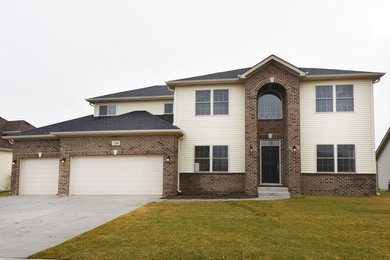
219,159
202,106
108,110
324,98
346,158
221,102
325,158
344,98
202,158
219,97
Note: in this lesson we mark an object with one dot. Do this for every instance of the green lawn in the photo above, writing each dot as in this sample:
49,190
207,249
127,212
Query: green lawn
307,227
4,193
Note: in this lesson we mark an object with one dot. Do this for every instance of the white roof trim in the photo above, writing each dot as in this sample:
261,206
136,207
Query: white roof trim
6,149
121,99
174,83
119,132
276,59
54,135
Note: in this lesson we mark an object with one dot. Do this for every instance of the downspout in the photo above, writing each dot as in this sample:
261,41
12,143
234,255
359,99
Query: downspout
178,165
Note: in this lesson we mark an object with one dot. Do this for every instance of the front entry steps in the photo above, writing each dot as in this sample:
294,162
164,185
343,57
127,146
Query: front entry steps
273,193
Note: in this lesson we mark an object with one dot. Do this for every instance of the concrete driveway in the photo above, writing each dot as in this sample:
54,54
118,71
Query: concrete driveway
29,224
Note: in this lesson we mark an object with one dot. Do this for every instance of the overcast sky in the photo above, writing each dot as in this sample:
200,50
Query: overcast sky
54,54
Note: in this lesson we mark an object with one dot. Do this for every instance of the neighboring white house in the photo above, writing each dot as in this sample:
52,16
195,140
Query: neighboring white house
8,127
383,162
308,130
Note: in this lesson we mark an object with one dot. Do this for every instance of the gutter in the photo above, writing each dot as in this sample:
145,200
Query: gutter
178,165
123,99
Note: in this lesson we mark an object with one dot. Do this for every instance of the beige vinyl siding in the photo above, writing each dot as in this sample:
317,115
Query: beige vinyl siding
384,168
355,127
211,129
155,107
5,169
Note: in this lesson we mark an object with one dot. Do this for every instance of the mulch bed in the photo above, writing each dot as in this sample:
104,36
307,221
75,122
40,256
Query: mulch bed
208,196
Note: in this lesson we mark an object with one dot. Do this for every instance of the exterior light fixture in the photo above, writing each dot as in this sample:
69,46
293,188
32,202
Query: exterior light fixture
40,154
14,162
63,160
168,159
294,148
115,152
251,149
270,136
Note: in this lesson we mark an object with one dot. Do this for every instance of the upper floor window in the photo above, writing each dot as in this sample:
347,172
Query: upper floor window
270,106
202,106
168,108
107,110
221,102
324,98
344,98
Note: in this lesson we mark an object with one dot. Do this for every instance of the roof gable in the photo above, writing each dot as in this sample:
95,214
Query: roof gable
272,58
383,144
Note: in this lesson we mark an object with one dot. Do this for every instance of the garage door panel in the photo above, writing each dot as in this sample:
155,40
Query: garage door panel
114,175
39,176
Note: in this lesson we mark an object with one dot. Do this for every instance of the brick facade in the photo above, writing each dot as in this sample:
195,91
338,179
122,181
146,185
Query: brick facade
165,145
339,184
286,84
212,183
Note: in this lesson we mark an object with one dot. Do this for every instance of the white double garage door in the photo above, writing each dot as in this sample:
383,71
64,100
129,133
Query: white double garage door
95,175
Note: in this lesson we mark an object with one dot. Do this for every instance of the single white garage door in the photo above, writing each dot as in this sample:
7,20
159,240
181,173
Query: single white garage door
39,176
116,175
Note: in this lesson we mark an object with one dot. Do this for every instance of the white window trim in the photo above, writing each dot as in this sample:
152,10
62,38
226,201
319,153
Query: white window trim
108,110
212,102
172,109
335,158
334,98
211,157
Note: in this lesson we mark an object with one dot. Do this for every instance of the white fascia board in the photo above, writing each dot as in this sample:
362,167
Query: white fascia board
26,137
172,84
373,76
5,149
123,99
119,132
276,59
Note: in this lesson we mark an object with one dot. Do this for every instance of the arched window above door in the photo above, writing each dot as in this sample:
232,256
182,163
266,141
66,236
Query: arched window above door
270,106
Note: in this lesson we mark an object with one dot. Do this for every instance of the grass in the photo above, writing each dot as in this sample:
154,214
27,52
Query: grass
5,193
307,227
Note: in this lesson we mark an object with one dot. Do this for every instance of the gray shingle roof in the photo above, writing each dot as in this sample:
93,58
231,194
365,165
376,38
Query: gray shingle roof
137,120
233,74
153,91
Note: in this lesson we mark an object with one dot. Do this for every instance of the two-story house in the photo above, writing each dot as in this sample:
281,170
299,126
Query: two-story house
274,124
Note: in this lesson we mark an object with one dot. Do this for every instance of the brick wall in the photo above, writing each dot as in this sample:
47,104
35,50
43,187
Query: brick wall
212,183
273,74
165,145
339,184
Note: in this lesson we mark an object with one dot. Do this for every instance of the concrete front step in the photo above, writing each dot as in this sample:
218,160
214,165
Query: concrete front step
273,193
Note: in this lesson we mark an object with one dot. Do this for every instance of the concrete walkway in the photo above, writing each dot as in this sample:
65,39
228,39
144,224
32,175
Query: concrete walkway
29,224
